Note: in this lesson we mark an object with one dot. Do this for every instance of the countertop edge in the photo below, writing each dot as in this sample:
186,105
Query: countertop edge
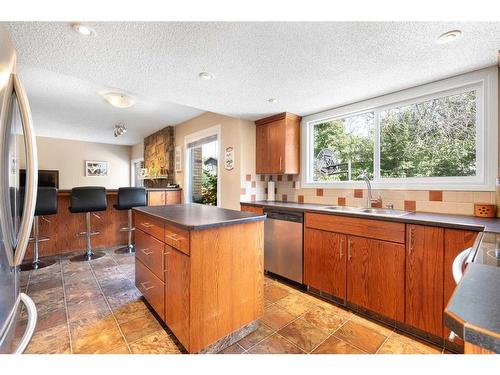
249,219
401,219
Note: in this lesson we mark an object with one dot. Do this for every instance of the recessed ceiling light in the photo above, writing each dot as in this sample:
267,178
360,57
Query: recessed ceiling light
207,76
83,29
118,99
272,100
448,37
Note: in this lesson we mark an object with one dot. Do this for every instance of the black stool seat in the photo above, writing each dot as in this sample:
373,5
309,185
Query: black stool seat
88,199
46,201
129,197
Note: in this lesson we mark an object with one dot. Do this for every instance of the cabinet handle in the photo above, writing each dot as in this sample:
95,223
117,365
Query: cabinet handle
145,287
147,225
349,250
280,163
341,245
146,252
173,237
412,239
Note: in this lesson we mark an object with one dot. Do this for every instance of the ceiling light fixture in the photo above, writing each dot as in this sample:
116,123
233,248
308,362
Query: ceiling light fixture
448,37
119,129
83,29
118,99
272,100
207,76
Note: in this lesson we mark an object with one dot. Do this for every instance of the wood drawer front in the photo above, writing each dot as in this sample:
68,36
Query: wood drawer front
254,209
376,229
150,252
177,237
150,225
151,287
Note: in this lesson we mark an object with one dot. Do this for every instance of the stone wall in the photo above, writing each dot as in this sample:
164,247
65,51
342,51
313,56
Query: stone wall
159,151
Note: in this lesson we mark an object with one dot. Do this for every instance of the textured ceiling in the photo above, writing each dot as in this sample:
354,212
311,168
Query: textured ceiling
307,66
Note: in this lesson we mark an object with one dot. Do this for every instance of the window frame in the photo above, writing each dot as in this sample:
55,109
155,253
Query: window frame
484,82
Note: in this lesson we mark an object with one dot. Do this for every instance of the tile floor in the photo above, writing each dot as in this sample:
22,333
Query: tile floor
94,307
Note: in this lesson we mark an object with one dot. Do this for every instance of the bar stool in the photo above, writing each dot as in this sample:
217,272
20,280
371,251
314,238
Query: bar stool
88,199
129,197
46,204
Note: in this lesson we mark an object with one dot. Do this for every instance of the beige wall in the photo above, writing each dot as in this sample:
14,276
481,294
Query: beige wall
137,151
236,133
69,157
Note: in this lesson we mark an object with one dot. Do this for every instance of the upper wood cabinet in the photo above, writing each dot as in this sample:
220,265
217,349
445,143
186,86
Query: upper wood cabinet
376,276
278,144
424,278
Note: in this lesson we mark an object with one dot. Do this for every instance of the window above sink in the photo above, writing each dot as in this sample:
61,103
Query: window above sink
436,136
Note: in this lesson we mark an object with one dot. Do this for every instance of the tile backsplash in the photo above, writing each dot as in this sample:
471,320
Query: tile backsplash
254,188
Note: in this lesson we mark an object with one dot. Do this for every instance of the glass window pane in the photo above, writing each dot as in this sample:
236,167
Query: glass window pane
343,148
435,138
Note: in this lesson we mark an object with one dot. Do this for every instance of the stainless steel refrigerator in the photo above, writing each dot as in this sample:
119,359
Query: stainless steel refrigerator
16,205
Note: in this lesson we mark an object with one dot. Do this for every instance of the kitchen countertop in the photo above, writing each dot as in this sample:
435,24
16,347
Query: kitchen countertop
473,311
443,220
198,216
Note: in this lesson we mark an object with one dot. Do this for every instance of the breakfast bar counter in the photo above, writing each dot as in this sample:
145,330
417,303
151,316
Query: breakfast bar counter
201,269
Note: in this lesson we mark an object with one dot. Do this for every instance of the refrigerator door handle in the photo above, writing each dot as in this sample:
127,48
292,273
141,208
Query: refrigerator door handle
30,326
31,171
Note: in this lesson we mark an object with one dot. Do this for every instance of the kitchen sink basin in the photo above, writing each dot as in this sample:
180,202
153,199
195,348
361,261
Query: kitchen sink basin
367,211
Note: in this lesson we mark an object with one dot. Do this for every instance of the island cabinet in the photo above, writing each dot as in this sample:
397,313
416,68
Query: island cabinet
359,261
250,208
278,144
206,281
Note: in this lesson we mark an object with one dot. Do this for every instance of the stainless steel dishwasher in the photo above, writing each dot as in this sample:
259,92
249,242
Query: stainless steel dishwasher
283,244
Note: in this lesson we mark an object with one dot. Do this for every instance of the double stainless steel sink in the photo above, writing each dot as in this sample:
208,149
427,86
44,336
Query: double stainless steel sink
368,211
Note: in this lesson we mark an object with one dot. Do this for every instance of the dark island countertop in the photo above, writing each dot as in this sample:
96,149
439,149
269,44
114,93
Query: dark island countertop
442,220
473,311
198,216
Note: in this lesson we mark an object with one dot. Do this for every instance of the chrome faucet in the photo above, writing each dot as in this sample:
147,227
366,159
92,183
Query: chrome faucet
369,199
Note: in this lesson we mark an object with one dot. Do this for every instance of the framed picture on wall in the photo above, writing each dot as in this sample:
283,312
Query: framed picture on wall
96,168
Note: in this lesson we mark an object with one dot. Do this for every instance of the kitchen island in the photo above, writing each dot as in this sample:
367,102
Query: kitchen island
201,269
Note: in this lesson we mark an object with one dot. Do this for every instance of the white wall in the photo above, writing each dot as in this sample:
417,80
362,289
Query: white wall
69,157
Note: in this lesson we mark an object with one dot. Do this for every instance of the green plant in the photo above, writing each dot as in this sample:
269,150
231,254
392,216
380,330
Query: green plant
209,188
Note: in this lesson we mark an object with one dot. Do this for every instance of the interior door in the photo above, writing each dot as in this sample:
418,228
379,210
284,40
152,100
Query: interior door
375,276
325,261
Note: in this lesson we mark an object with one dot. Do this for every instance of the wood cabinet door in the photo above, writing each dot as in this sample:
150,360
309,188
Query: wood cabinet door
261,149
173,197
156,198
253,209
376,276
177,283
276,146
455,241
424,278
325,261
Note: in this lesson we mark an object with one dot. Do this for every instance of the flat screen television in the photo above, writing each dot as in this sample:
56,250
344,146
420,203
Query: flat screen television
46,178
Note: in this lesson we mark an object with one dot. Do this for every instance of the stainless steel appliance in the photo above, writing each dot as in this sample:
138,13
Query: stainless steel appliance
283,237
17,205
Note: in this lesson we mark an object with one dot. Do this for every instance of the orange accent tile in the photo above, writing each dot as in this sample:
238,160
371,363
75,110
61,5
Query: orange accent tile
301,199
270,178
275,190
358,193
248,177
294,184
290,177
265,190
252,197
319,192
254,184
341,201
280,177
262,177
377,204
410,205
243,191
436,195
284,197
